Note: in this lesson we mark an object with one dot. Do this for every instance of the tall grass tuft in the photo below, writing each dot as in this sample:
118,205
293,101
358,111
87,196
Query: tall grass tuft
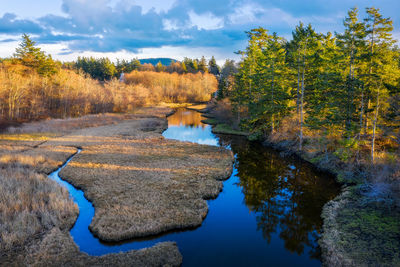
30,203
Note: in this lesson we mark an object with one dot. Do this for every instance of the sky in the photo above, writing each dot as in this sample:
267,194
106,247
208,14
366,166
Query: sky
127,29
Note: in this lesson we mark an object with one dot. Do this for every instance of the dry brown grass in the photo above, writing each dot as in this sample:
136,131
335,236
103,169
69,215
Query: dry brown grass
333,253
68,125
140,184
148,187
57,248
199,107
34,133
30,203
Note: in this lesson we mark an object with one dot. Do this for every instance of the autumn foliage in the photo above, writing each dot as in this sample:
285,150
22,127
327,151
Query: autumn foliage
27,95
174,87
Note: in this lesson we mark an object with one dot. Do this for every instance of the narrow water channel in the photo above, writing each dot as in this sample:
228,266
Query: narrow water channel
268,213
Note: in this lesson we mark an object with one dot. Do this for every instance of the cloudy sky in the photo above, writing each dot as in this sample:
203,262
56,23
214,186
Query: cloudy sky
165,28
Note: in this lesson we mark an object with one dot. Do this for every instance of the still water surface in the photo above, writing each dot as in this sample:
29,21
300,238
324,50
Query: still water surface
268,213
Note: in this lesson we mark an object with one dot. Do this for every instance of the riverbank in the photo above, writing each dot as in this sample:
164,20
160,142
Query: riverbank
361,226
219,126
139,183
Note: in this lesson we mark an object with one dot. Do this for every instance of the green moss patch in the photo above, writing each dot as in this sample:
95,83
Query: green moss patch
360,231
227,129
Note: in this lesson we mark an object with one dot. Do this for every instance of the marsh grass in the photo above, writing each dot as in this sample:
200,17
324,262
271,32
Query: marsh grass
199,107
30,203
36,136
45,129
151,185
35,217
140,184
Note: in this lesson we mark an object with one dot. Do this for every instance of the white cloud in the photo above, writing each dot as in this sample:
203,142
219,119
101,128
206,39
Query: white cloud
170,25
206,21
146,5
61,51
29,9
396,36
253,13
7,49
245,14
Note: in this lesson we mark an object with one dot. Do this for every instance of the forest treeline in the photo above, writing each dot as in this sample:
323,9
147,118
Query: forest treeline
34,86
334,100
104,69
335,88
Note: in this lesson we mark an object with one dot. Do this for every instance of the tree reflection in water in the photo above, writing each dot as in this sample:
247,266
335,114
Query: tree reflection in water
287,199
187,118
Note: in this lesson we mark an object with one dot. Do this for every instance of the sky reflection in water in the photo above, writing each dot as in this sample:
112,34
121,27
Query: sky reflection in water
186,125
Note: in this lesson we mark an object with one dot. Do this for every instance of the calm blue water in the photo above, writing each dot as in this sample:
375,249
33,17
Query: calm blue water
268,213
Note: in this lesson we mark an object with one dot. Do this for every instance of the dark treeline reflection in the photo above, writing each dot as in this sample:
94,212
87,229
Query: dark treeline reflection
286,194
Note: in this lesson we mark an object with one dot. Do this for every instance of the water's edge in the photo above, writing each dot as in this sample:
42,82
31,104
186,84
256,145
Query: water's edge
80,231
268,212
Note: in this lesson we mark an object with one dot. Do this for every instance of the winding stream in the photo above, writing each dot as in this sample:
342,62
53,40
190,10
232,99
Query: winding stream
267,214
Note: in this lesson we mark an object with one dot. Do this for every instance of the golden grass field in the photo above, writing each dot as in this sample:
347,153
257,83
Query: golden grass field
140,184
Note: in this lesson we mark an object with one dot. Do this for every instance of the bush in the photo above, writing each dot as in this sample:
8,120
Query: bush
174,87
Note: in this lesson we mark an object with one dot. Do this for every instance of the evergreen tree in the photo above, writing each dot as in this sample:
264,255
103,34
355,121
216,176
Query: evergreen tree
379,57
101,69
247,88
135,64
263,88
306,42
352,45
202,66
31,56
184,68
325,87
226,79
160,67
213,67
195,65
345,85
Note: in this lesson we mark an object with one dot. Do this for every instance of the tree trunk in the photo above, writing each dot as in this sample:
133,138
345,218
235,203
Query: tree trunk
298,90
374,125
301,106
272,98
350,95
366,123
362,109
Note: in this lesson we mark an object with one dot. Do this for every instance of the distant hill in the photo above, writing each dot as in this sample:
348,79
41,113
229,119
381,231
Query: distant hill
154,61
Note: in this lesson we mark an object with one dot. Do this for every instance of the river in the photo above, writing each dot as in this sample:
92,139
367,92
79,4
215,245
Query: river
268,213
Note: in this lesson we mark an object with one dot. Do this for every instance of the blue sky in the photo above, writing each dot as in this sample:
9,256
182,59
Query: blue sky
166,28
